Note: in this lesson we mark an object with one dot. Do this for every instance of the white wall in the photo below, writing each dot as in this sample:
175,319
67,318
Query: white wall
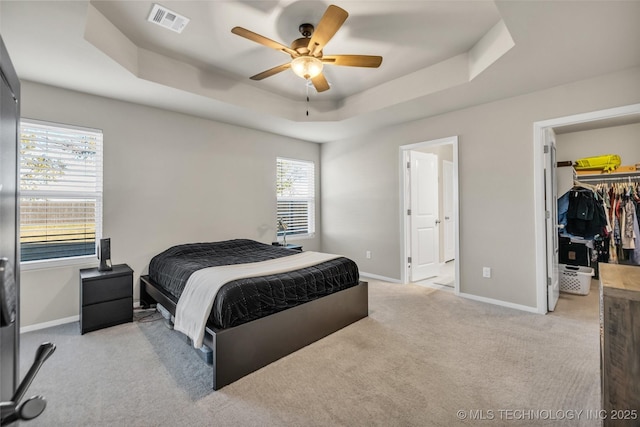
621,140
168,178
360,182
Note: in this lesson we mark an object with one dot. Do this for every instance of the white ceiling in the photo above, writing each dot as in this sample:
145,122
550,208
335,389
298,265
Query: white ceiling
438,56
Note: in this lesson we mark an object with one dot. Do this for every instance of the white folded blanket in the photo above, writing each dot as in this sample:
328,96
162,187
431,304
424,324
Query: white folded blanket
196,301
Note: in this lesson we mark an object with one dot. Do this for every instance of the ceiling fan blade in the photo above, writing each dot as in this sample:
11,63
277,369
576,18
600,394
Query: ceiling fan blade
354,60
320,83
270,72
329,24
255,37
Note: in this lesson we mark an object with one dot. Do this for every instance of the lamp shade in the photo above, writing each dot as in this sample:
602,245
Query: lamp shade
306,67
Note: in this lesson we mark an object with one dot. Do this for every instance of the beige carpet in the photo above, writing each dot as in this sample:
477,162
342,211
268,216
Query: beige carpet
420,357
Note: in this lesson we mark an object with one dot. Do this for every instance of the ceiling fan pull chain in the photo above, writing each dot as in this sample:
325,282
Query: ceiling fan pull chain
307,85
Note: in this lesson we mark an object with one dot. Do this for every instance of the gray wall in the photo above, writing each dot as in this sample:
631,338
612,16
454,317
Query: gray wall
360,185
168,178
171,178
621,140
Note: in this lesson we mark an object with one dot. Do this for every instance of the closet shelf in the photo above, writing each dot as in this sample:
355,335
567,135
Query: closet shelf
606,176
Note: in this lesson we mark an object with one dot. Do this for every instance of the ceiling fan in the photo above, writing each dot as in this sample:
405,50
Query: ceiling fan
307,58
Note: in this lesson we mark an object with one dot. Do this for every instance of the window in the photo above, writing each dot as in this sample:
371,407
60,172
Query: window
60,190
296,196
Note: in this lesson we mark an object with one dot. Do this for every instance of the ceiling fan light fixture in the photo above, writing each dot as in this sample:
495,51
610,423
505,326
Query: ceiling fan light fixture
306,67
307,58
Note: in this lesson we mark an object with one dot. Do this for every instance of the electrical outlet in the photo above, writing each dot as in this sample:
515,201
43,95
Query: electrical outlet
368,254
486,272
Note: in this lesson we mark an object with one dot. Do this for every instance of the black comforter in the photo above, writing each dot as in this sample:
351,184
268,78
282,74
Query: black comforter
244,300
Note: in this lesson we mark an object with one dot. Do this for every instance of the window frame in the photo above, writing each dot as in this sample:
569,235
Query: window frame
86,259
311,201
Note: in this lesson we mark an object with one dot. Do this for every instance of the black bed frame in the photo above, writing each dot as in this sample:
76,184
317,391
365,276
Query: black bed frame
243,349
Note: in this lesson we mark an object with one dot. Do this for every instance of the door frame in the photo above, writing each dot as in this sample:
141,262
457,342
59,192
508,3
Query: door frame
551,226
404,221
444,220
539,175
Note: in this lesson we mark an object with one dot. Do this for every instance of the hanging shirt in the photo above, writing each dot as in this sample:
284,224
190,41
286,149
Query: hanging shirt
636,229
585,215
627,229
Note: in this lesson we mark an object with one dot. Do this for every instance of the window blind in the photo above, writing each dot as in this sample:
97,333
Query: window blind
295,184
60,190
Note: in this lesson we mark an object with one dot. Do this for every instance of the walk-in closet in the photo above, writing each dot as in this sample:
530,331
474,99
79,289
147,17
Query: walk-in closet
598,211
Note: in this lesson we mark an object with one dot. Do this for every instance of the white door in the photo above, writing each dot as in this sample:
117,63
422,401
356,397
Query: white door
447,197
551,212
423,218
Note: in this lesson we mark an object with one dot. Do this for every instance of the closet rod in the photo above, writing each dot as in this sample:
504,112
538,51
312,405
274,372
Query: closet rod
585,185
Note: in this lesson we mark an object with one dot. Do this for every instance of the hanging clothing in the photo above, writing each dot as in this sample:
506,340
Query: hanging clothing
628,217
636,229
608,214
585,216
621,203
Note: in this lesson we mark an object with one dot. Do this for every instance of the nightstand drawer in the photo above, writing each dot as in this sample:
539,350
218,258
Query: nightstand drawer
97,316
106,289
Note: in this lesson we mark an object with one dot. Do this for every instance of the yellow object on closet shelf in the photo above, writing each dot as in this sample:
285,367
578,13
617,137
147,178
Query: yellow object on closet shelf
606,162
619,169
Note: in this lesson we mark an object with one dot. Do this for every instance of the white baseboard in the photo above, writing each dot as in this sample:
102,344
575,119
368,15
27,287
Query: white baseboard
500,303
377,277
57,322
45,325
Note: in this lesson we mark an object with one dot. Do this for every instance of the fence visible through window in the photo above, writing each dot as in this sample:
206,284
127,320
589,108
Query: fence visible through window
57,228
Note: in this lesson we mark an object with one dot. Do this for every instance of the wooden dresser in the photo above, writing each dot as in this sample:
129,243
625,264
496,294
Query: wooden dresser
620,343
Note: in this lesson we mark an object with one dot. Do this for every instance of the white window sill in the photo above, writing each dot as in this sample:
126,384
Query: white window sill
298,237
85,261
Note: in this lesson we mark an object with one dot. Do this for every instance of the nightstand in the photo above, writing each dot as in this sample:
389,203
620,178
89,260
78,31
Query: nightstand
289,246
106,297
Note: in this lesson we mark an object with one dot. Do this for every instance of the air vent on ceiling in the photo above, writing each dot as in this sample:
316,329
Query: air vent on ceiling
167,18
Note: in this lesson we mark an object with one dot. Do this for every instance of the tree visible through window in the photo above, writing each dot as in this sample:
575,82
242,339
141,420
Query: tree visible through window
295,189
60,190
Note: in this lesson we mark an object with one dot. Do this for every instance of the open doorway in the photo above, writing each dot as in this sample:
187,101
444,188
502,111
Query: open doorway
429,212
544,174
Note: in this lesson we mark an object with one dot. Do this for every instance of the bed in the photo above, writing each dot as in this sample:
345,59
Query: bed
257,320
